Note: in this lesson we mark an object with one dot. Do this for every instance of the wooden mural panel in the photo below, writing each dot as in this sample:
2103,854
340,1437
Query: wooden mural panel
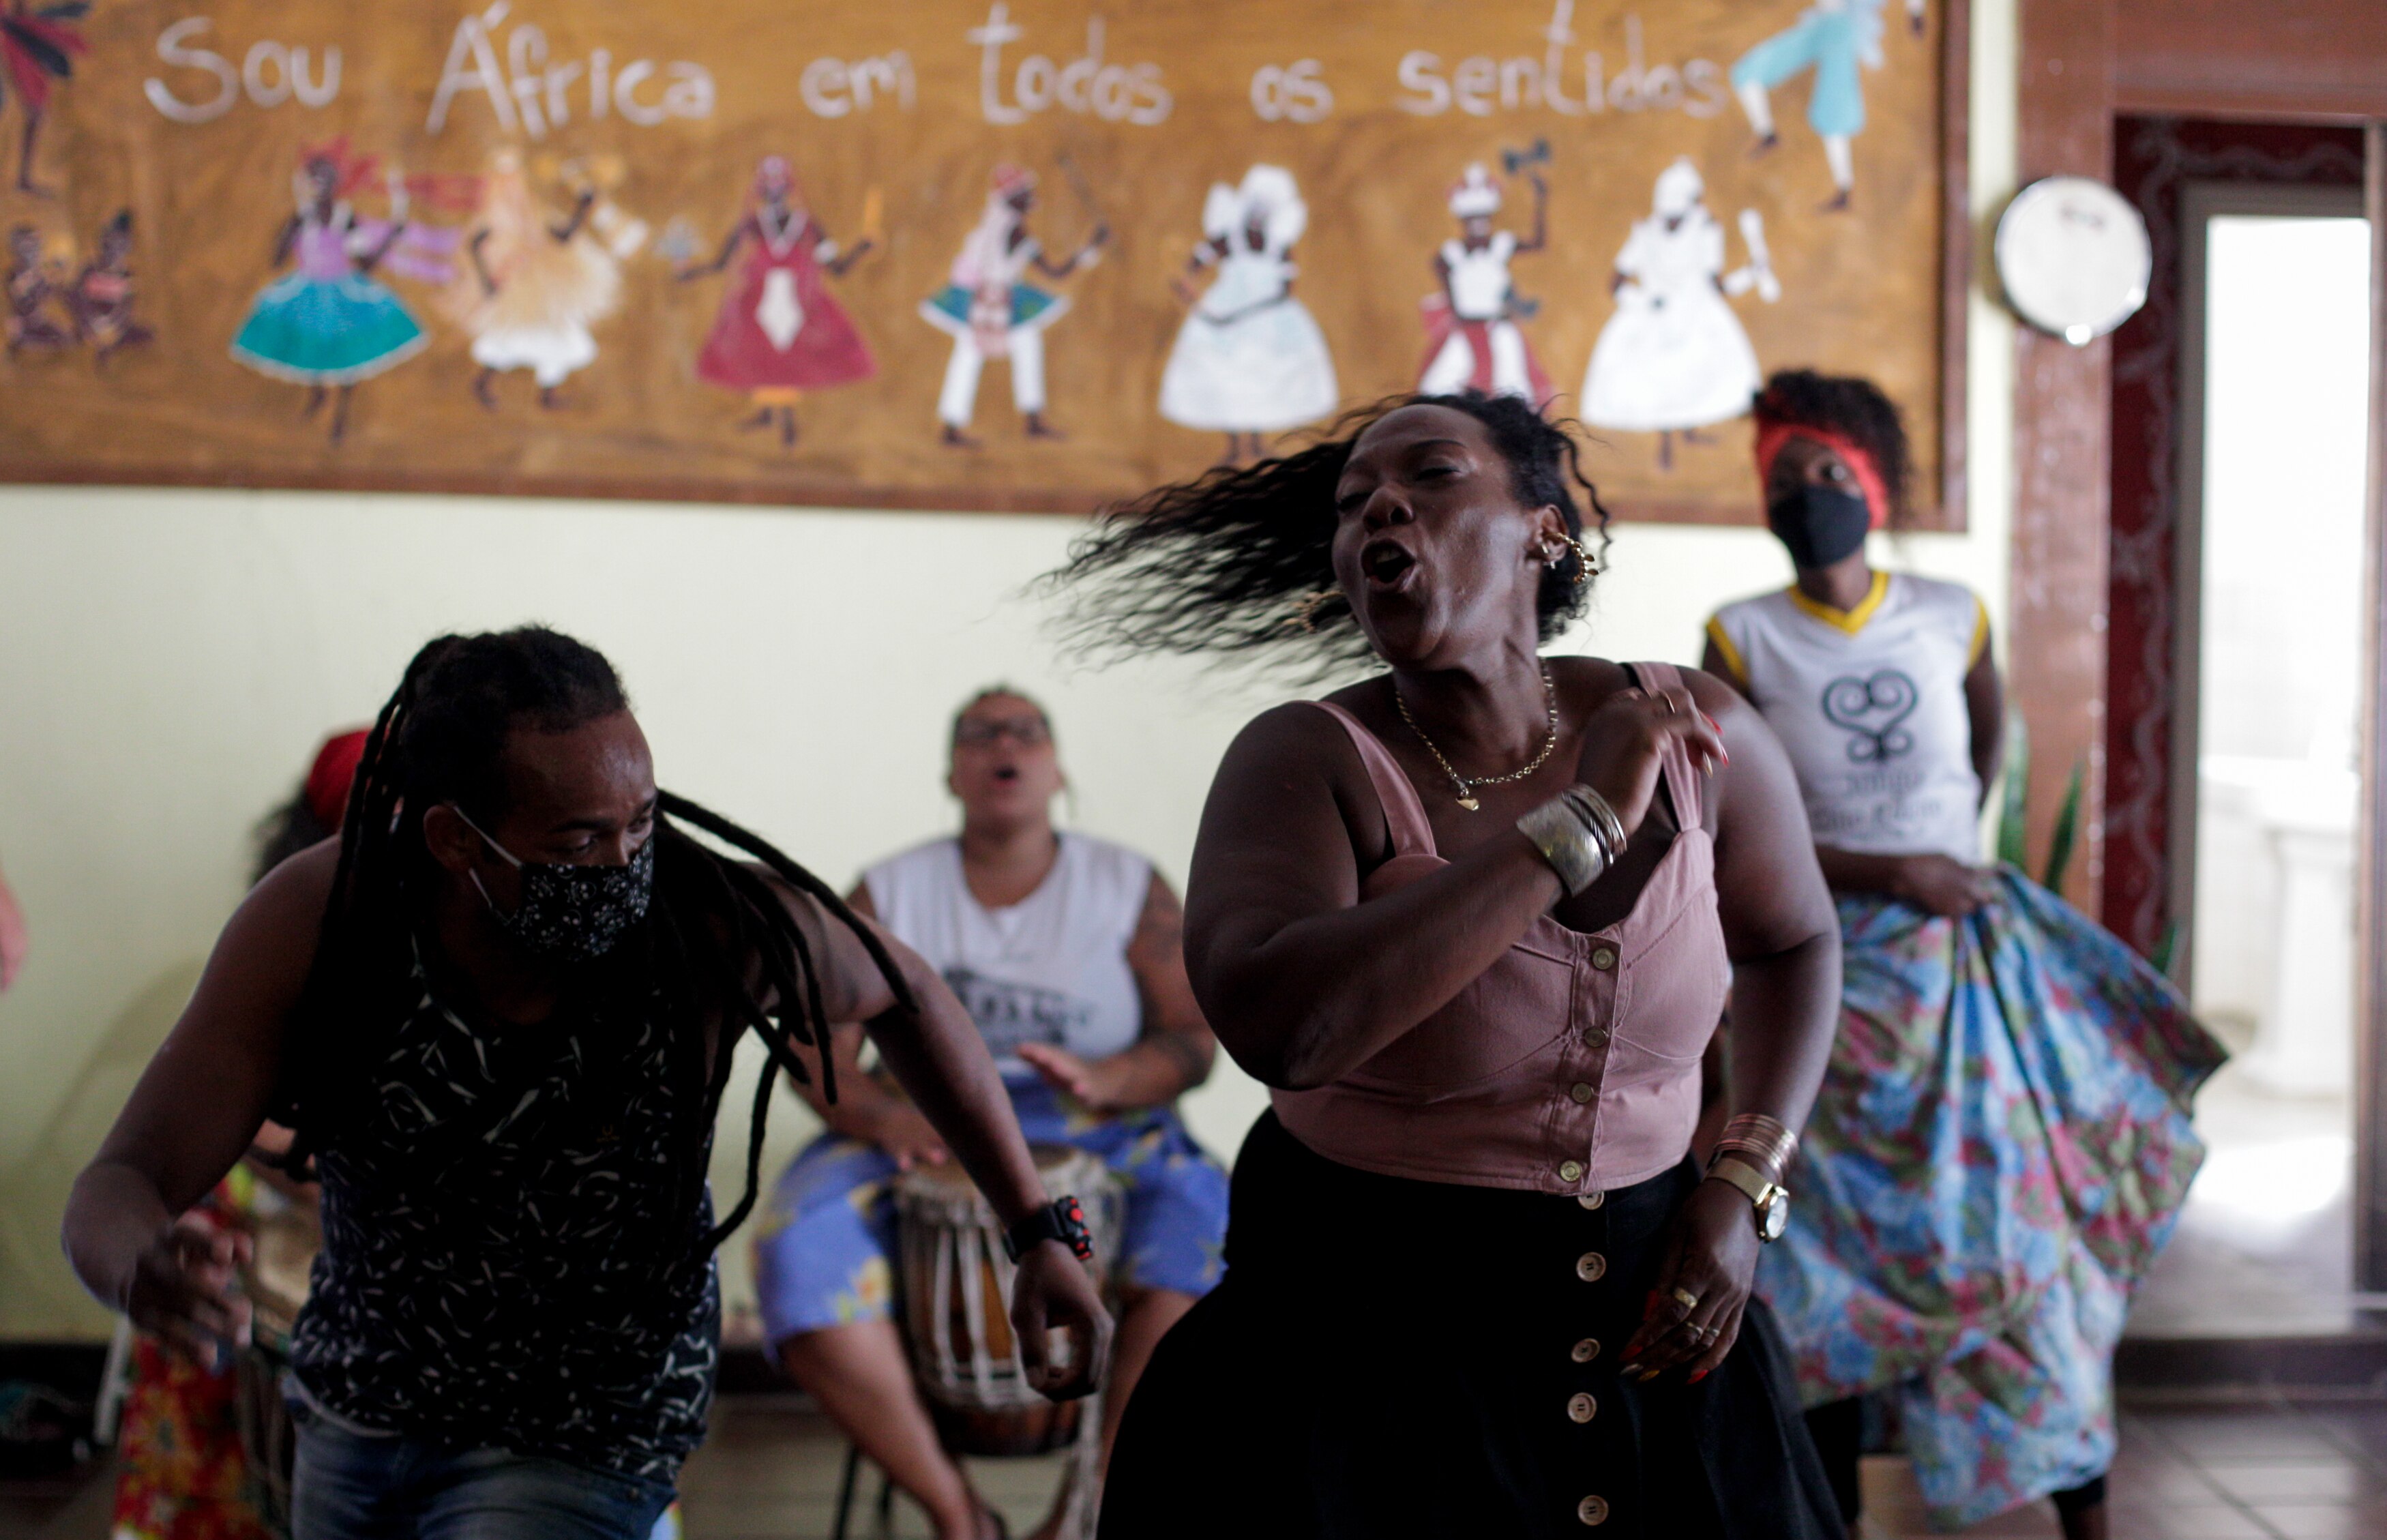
946,253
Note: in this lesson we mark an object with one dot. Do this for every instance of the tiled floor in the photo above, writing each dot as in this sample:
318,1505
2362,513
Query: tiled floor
2278,1471
2282,1471
2265,1247
770,1472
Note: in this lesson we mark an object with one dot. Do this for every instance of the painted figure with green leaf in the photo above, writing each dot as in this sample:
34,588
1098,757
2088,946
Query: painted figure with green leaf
2003,1143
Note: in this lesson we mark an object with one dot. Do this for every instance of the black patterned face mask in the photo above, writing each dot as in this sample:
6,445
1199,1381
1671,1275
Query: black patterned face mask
572,914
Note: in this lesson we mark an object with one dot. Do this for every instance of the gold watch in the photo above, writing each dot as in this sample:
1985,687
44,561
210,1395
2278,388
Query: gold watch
1771,1200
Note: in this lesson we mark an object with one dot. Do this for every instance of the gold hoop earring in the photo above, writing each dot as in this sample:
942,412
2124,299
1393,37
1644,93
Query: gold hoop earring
1586,568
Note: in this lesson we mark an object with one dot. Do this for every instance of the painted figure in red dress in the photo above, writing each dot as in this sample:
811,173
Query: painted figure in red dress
780,333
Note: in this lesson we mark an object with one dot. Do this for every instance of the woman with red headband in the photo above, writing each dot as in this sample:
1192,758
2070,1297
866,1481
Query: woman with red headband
2002,1141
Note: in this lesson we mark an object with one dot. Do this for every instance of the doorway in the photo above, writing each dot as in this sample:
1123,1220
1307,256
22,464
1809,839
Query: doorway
2273,392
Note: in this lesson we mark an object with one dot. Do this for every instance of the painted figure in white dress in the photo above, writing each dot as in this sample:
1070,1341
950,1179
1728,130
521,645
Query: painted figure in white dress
1250,358
1474,342
538,279
992,312
1673,358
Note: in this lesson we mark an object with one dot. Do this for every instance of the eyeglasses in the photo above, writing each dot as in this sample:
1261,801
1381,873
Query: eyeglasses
1028,732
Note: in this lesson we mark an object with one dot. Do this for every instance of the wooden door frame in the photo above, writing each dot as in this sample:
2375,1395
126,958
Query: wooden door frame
2370,879
2057,611
2066,102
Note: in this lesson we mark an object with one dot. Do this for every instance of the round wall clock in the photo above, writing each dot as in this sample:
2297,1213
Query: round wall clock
2074,258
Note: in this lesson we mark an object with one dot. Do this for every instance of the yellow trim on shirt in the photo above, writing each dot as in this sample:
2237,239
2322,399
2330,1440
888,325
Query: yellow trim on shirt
1848,621
1981,633
1729,653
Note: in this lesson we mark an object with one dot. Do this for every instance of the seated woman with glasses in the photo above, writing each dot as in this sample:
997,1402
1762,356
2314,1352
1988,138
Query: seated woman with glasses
1066,951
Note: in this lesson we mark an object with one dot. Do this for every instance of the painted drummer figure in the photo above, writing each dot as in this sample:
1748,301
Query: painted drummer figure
1066,949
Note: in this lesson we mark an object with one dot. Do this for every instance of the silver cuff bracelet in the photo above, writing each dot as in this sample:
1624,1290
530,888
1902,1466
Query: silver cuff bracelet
1561,830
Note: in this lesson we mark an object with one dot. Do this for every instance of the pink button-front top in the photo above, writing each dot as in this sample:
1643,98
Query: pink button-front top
1570,1065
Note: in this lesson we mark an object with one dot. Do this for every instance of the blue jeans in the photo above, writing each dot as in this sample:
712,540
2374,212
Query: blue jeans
353,1485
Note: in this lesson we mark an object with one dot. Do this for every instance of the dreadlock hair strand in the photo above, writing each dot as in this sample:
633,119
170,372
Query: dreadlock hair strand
1237,564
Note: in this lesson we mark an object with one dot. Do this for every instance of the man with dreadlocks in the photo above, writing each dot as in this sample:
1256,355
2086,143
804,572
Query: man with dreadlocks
499,1015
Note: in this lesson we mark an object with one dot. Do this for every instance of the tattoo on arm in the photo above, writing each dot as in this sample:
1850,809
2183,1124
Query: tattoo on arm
1173,1025
1161,927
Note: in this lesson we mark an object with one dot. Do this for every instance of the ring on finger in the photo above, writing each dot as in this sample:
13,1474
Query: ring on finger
1685,1298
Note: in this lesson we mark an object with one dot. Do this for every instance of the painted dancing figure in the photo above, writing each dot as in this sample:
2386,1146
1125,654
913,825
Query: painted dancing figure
1675,358
33,292
1832,38
103,294
535,283
780,331
330,323
1250,358
38,45
992,312
1474,342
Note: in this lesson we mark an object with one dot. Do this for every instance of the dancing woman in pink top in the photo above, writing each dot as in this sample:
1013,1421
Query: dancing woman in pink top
1473,921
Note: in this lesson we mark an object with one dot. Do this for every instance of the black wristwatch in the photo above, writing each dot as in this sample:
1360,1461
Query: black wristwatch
1060,1220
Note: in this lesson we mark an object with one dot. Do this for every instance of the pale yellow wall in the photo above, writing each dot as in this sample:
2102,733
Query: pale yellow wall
168,660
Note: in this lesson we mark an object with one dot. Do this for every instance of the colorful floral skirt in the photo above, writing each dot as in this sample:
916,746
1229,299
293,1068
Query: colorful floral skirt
327,331
824,1255
181,1471
2001,1148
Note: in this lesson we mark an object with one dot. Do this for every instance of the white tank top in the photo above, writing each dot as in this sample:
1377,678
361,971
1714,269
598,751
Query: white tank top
1051,968
1870,704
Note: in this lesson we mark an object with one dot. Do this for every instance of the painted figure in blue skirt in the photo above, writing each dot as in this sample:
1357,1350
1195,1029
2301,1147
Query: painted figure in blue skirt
1832,37
1067,950
990,309
329,323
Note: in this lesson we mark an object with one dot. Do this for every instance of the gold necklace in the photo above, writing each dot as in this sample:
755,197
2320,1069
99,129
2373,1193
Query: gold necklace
1466,785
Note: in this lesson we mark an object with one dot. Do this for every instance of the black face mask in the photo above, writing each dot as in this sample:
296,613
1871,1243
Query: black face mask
1820,524
572,914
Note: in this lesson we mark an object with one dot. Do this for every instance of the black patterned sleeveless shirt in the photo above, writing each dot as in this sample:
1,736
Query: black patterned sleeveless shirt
505,1245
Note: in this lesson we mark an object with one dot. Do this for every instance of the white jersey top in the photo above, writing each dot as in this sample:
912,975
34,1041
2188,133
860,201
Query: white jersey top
1051,968
1479,280
1870,704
